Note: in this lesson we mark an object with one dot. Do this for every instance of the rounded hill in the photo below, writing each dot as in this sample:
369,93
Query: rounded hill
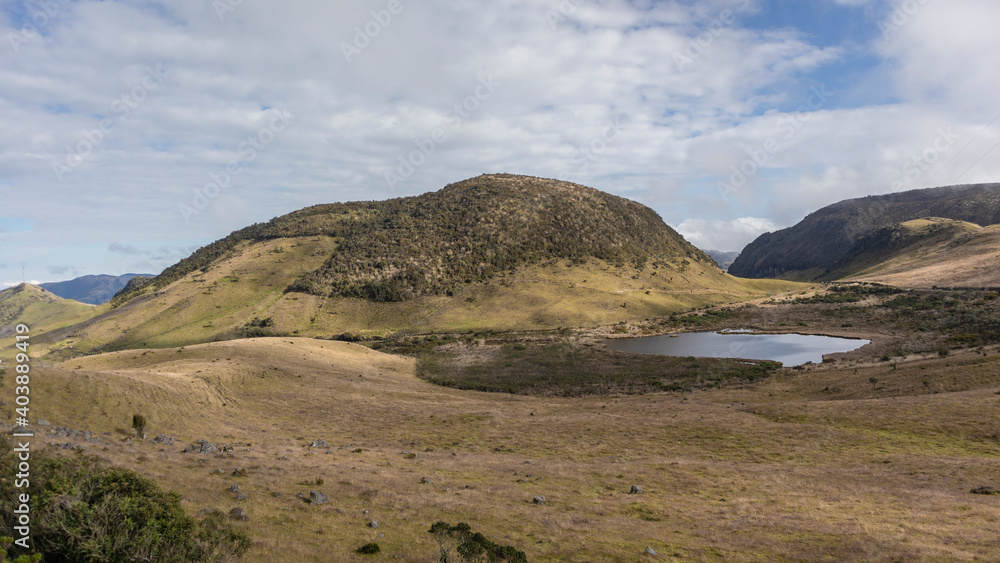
467,232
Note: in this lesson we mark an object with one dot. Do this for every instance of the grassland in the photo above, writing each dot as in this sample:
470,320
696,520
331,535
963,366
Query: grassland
812,464
924,253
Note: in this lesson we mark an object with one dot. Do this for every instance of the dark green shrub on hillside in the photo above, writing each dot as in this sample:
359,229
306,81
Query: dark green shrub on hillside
83,512
459,543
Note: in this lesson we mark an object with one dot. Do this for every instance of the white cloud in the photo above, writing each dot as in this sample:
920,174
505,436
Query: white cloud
683,126
729,235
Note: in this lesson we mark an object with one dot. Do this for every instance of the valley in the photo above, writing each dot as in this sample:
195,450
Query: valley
322,355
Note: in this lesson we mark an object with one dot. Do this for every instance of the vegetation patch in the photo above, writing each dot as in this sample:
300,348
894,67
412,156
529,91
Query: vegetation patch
83,511
564,368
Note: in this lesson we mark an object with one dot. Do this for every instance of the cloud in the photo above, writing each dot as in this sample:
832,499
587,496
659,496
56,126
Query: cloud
118,114
127,250
730,235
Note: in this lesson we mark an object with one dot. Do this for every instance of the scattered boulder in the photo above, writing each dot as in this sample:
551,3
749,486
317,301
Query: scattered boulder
316,497
635,490
650,552
426,481
239,472
239,514
373,524
538,499
985,491
163,439
241,496
43,422
234,488
319,444
206,447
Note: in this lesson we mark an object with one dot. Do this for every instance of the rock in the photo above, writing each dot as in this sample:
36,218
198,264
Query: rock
316,497
277,494
985,491
373,524
241,496
218,472
43,422
238,514
207,447
426,481
319,444
234,488
538,499
163,439
650,552
635,490
239,472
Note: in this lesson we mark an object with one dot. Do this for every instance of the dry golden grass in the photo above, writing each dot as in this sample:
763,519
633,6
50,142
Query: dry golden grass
812,465
969,258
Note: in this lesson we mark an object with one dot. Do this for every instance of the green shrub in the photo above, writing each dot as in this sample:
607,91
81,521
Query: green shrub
82,511
458,543
369,549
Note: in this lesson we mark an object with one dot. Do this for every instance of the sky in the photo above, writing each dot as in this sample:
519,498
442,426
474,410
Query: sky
132,133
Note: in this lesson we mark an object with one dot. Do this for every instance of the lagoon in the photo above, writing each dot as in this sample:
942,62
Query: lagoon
789,349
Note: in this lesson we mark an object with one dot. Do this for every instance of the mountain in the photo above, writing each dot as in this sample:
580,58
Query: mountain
722,258
923,253
39,309
496,252
91,289
814,246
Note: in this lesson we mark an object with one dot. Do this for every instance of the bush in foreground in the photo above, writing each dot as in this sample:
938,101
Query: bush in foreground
82,511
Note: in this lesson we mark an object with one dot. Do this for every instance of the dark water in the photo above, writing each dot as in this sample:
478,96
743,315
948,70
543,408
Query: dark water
789,349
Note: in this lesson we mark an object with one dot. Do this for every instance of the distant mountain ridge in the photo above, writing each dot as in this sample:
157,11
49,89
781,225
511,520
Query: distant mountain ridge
813,247
92,289
722,258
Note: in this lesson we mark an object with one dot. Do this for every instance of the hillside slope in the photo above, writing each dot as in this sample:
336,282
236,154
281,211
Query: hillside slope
40,310
924,253
812,247
495,252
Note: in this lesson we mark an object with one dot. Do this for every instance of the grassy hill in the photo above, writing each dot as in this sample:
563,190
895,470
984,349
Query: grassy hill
924,253
41,310
496,252
812,248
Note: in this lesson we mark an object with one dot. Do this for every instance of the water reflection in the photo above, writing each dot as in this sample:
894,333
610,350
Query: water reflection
789,349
